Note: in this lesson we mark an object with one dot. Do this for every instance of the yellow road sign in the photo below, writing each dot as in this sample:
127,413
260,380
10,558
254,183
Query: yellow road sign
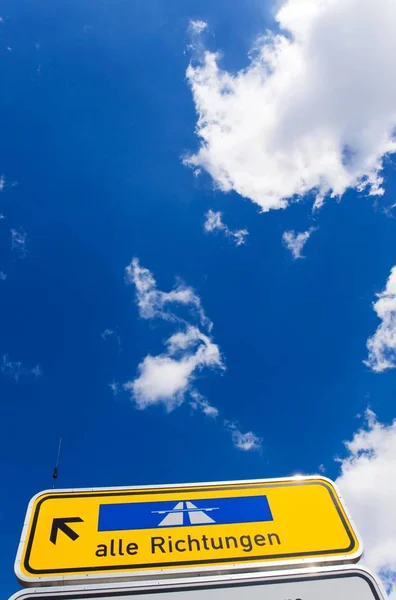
74,535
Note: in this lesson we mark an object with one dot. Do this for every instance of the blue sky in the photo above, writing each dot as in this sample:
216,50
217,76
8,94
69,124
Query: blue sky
104,160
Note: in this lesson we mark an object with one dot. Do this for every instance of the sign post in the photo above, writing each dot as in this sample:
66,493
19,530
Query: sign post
324,584
98,535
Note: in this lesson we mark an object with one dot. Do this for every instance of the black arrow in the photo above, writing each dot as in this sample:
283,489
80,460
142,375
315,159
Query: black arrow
60,525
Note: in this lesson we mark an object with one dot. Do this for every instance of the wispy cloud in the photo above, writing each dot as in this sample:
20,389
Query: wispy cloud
115,387
19,241
169,378
3,276
107,333
382,345
5,184
36,371
199,402
278,129
214,222
16,370
295,242
243,441
111,333
388,210
197,27
368,486
153,303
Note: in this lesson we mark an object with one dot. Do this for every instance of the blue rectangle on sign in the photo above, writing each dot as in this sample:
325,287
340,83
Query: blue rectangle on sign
213,511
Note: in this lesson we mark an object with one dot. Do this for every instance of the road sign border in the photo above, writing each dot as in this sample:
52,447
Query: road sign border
182,569
96,592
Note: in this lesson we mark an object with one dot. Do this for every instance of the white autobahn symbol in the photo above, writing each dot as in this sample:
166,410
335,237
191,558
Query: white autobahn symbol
175,516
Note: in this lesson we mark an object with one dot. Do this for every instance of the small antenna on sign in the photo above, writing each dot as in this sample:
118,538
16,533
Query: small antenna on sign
56,468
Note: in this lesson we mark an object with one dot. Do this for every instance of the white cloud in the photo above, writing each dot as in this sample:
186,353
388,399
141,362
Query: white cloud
382,345
200,402
36,371
115,387
295,242
5,185
166,378
111,333
161,379
388,210
314,111
107,333
169,378
197,27
243,441
214,222
3,276
154,303
368,485
16,370
19,241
